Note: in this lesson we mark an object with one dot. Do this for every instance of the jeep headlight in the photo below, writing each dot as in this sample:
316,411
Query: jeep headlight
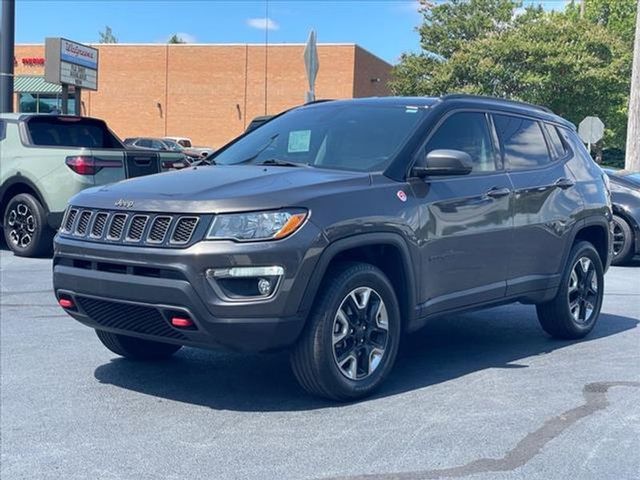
271,225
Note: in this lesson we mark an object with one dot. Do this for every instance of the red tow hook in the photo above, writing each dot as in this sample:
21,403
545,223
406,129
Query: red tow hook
66,303
182,322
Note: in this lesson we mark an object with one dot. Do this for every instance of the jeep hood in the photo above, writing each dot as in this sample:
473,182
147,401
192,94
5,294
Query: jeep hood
220,188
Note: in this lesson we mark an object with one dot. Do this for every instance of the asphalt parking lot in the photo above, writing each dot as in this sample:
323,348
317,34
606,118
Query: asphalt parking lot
482,396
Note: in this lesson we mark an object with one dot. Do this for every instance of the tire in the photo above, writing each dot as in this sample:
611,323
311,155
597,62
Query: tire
136,348
622,241
25,227
336,357
573,312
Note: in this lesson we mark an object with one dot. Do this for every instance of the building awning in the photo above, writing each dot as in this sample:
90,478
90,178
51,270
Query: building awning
34,84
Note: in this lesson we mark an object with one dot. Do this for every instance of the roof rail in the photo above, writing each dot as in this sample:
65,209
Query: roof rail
454,96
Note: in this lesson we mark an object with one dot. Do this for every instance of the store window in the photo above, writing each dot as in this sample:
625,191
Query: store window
42,103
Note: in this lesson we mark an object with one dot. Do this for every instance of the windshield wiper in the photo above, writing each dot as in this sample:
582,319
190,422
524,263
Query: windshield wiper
280,163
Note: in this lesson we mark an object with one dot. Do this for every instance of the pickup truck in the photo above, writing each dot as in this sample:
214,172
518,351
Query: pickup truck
186,143
46,159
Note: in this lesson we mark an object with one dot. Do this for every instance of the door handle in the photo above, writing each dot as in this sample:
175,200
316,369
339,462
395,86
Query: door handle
496,192
564,183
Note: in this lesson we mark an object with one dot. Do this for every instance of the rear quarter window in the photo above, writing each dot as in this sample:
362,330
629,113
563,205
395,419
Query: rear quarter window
3,130
53,131
558,148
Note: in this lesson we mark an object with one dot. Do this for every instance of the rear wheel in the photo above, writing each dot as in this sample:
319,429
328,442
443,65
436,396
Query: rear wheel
622,241
25,227
351,339
573,312
136,348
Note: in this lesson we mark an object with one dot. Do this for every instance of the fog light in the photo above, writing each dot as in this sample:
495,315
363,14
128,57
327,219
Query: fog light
264,286
243,272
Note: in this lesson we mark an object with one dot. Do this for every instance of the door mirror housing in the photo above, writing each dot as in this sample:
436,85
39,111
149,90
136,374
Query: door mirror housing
444,162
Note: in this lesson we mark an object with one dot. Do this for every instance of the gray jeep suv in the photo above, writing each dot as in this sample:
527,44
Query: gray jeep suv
337,227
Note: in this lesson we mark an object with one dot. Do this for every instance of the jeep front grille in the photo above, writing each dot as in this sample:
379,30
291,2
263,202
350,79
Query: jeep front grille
130,228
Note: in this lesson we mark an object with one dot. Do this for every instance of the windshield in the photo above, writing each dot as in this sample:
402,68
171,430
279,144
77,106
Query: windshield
346,137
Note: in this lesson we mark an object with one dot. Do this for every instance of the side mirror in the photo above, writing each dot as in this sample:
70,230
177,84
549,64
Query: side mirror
444,162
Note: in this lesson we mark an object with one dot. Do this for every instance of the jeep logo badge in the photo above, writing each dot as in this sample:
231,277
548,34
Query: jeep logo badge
122,203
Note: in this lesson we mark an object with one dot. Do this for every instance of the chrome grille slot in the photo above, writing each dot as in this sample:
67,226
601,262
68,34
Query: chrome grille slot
100,221
83,222
136,228
159,229
117,226
71,217
184,230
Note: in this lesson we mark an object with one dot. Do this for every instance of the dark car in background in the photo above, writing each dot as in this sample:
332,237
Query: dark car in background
163,145
625,197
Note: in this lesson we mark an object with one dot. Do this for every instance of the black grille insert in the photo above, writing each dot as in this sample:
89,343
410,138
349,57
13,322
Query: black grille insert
71,217
159,229
184,229
98,225
128,317
83,223
117,226
136,228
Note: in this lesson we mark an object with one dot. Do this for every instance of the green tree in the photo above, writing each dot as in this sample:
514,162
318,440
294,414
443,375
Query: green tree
576,66
107,36
617,16
449,25
175,39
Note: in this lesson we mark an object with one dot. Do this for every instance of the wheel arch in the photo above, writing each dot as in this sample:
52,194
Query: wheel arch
387,251
17,185
595,231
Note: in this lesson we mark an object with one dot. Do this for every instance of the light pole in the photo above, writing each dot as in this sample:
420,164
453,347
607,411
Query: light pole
7,44
632,154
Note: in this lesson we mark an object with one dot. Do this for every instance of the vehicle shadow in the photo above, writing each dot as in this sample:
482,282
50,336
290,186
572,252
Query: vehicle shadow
444,350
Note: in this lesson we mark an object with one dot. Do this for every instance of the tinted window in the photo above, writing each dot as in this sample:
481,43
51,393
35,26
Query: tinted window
143,142
346,137
469,133
3,129
557,146
70,132
158,145
522,141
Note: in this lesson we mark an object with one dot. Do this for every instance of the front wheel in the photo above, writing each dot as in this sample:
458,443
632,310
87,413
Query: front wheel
573,312
351,340
136,348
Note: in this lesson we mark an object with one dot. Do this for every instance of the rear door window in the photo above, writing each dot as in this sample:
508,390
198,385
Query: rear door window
54,131
522,141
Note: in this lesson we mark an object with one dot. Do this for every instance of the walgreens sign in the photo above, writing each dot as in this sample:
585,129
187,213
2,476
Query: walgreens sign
78,54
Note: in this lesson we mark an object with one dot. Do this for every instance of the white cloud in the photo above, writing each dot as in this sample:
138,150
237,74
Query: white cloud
263,23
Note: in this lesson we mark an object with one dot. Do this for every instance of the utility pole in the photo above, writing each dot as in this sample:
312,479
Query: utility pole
7,44
632,157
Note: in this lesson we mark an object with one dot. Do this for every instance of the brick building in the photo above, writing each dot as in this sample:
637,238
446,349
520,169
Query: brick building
206,92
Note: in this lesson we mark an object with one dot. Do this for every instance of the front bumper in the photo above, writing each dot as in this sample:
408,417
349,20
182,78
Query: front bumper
112,284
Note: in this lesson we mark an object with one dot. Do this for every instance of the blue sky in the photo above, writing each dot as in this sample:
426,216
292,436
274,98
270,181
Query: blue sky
384,27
